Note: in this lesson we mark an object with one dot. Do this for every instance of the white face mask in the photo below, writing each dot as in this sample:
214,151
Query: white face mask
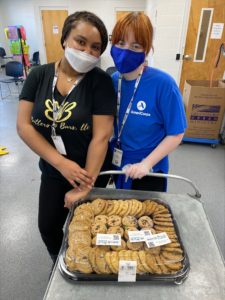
80,61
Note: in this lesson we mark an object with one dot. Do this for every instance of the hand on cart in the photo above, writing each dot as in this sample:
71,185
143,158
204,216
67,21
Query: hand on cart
136,171
75,194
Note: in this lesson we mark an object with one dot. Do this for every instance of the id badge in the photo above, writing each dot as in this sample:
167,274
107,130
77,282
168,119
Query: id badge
58,142
117,157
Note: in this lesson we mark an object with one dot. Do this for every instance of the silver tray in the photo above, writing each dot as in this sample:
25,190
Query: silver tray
176,278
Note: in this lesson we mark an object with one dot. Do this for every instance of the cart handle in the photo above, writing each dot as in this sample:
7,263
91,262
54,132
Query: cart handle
197,193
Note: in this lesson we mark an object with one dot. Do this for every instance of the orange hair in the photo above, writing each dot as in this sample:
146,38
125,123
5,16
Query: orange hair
141,26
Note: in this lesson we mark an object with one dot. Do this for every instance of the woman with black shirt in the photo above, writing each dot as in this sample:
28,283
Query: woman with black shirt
65,115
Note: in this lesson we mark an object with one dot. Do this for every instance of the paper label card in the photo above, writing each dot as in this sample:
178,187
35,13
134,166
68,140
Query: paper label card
58,142
127,271
136,236
117,157
217,31
108,239
139,236
158,239
55,29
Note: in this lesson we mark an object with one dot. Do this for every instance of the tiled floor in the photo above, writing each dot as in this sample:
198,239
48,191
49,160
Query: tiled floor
25,265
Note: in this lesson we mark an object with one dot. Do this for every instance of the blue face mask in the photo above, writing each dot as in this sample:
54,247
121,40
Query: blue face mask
126,60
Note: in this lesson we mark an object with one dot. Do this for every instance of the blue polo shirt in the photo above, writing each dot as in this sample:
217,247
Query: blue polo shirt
157,111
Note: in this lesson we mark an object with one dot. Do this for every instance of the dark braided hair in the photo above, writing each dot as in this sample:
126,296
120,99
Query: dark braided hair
84,16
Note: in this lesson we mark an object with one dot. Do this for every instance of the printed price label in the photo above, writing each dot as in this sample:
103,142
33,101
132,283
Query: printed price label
136,236
158,239
139,236
147,233
127,271
108,239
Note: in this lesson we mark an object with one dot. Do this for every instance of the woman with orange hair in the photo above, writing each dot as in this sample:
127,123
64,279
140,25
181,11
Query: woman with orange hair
150,118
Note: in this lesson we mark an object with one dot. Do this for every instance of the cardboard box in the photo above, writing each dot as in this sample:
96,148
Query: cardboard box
205,108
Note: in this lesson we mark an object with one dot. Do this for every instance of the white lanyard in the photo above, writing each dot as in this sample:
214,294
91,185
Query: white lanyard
58,112
129,105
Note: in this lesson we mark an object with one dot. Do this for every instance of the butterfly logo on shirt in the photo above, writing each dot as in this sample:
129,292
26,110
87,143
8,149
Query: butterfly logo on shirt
64,113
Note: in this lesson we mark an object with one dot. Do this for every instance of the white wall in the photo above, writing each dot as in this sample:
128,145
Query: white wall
105,9
19,12
2,35
168,18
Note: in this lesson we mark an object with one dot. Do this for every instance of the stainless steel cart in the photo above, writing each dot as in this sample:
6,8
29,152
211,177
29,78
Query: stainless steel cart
206,280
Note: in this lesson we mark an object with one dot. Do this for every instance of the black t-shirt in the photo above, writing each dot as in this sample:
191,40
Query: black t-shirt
94,95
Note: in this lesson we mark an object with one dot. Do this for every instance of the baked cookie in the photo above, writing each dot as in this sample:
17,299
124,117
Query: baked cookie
142,257
164,228
124,255
135,246
108,261
174,244
79,237
152,263
83,217
150,207
174,266
153,250
142,212
162,212
129,203
145,221
84,207
82,263
70,259
172,256
134,256
119,248
121,207
110,205
91,257
114,220
160,207
101,261
114,207
163,223
174,250
79,226
164,218
114,262
101,219
115,230
98,227
161,265
124,208
104,211
98,206
129,221
135,209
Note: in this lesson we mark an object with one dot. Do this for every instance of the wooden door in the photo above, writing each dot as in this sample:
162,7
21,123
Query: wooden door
198,60
53,21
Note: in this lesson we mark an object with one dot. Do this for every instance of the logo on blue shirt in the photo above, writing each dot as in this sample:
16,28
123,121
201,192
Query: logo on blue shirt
141,105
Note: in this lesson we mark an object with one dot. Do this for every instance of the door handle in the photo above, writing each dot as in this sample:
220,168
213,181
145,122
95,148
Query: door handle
187,57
